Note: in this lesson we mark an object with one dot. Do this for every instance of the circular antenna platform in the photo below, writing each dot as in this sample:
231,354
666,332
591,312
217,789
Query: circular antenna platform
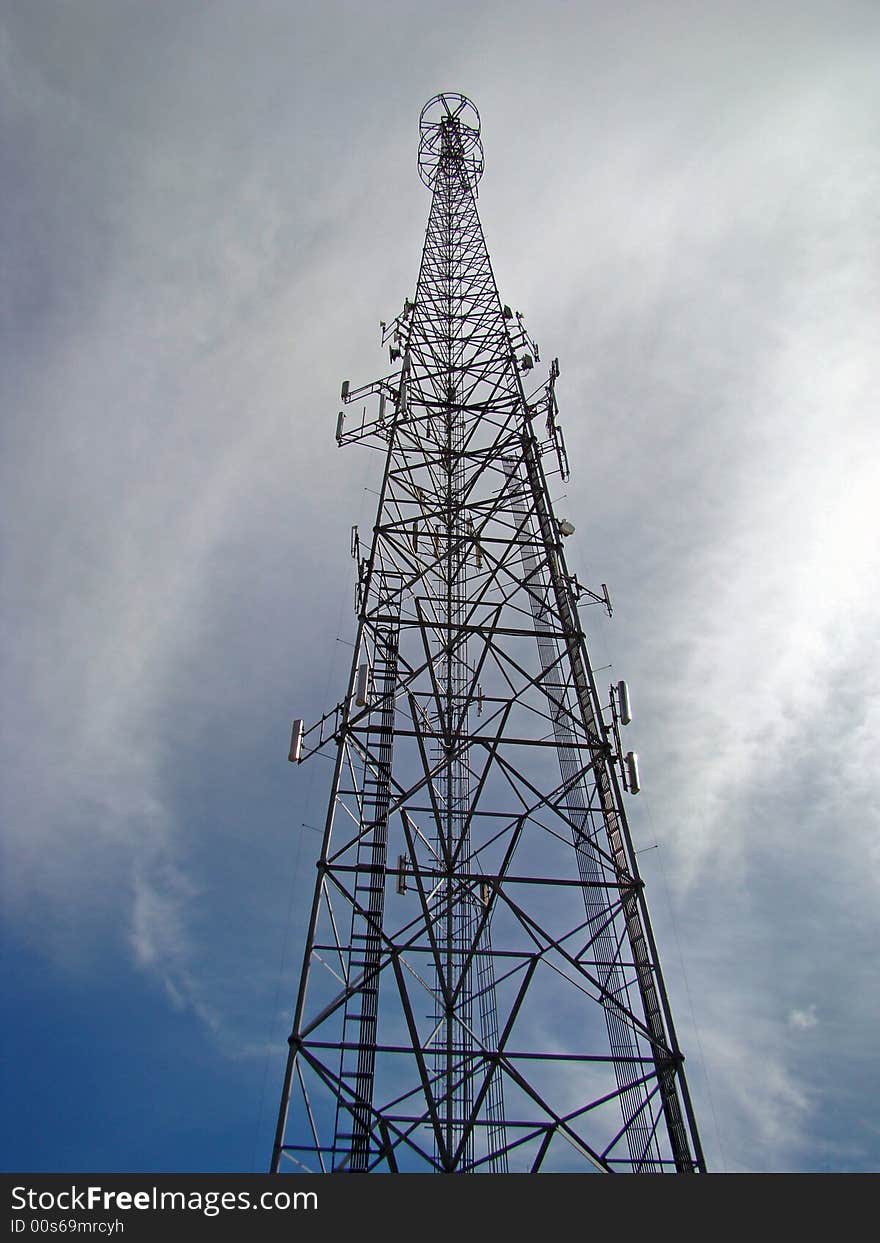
449,134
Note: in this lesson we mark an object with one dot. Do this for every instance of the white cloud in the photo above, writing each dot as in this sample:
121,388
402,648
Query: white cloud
803,1020
763,1110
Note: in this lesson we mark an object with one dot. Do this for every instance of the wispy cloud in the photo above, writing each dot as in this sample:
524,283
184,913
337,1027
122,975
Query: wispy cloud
764,1107
803,1020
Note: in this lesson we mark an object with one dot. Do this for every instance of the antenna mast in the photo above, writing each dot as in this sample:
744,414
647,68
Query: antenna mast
480,989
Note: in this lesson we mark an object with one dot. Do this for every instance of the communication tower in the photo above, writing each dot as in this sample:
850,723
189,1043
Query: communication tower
480,990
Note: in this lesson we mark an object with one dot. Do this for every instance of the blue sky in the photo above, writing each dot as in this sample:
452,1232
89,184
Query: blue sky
207,209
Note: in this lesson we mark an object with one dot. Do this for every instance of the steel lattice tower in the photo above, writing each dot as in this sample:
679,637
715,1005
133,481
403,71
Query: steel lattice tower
480,990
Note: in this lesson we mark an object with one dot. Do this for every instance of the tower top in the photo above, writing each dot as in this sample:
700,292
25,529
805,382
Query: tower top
449,131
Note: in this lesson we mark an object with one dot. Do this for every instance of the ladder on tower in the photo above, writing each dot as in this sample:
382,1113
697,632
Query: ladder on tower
586,822
356,1147
494,1100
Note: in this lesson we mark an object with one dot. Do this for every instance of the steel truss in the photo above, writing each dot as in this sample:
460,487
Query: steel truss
480,990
